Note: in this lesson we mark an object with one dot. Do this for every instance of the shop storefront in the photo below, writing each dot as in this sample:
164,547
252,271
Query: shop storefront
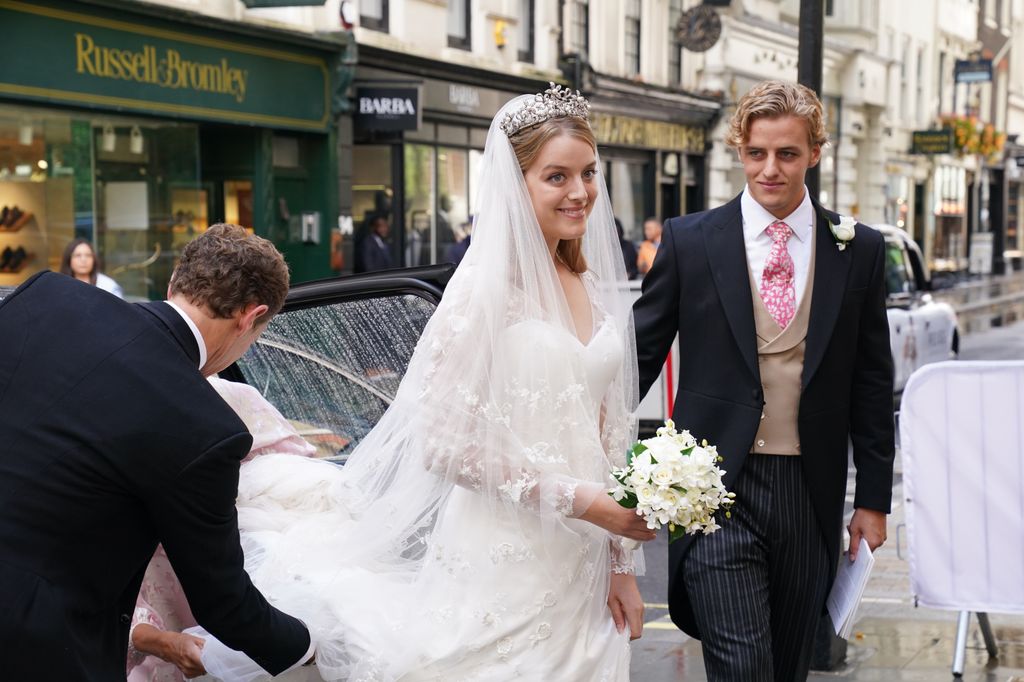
420,128
139,126
653,144
947,248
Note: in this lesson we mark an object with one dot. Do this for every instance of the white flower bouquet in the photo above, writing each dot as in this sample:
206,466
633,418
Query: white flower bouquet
673,480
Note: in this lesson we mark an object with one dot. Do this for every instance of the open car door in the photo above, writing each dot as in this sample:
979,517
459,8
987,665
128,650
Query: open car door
332,359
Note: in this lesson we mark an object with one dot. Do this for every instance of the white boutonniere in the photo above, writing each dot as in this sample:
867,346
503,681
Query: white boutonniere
843,231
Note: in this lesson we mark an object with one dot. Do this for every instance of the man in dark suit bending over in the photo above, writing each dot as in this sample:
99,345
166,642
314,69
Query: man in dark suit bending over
111,440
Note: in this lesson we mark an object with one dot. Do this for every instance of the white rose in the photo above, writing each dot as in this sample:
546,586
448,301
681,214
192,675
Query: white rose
845,229
663,474
645,494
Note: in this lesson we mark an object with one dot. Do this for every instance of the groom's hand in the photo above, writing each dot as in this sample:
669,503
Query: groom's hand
868,524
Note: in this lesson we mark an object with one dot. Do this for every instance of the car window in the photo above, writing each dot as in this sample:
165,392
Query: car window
898,279
333,369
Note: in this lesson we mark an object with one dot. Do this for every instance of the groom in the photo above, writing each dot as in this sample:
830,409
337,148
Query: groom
784,360
112,440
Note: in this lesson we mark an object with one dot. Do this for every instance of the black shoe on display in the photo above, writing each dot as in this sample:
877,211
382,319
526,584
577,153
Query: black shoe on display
5,258
17,259
3,216
14,216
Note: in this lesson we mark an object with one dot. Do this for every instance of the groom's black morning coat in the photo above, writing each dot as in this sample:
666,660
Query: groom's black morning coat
699,286
110,442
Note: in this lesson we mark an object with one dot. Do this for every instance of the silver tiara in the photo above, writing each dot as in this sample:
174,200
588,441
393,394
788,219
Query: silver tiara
554,102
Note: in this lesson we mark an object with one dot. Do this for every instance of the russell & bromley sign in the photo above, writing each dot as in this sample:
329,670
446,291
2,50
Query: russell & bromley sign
105,60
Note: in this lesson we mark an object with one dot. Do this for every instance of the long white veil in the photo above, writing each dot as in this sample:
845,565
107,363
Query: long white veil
493,419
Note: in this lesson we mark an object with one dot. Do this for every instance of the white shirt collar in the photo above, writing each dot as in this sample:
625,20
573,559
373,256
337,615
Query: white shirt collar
756,217
195,332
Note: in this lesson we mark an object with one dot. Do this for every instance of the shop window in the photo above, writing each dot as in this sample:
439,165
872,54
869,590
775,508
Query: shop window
675,49
418,204
452,201
38,166
632,193
285,152
372,194
579,27
373,14
459,24
238,203
148,200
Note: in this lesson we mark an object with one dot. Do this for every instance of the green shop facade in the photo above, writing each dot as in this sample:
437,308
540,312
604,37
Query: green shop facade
136,127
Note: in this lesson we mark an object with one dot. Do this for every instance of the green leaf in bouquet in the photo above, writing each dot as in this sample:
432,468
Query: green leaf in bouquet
629,501
687,451
633,452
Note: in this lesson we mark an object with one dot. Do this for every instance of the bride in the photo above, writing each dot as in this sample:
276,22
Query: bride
469,537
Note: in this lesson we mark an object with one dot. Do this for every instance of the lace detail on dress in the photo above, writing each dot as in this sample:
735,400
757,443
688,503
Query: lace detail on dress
621,558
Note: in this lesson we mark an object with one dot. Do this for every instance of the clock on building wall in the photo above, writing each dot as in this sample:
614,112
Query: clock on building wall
699,28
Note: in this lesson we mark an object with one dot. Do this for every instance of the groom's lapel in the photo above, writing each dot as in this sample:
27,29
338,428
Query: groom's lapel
727,258
830,268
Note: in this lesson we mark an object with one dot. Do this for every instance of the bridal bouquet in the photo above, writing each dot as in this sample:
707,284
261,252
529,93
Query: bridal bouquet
673,480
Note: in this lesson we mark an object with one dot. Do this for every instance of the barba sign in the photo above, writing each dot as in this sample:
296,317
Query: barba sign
166,70
388,108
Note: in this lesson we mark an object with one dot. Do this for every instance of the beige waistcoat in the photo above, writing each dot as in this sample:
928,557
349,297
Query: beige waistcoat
780,358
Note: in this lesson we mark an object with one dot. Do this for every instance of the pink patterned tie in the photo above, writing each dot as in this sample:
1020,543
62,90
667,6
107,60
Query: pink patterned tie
777,290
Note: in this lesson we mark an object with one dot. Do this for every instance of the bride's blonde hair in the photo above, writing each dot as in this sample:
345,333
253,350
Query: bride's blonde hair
527,144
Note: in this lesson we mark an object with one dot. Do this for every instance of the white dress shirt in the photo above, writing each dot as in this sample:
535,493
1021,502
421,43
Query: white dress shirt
756,220
195,332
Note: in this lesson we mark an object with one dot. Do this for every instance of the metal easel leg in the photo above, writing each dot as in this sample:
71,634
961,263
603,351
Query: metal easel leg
986,633
960,648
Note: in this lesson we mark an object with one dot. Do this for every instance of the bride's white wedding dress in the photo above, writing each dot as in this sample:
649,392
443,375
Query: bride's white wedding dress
495,595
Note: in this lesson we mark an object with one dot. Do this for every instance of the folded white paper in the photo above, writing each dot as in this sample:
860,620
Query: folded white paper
851,579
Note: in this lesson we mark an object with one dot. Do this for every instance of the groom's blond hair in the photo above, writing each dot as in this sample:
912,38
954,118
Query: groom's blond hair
772,99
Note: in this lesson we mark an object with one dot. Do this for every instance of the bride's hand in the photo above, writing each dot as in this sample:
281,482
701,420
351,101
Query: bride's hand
616,519
184,651
626,604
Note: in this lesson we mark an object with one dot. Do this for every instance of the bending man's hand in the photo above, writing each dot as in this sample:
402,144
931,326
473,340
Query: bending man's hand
626,604
868,524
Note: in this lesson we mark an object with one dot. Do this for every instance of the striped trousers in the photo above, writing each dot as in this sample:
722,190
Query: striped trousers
757,585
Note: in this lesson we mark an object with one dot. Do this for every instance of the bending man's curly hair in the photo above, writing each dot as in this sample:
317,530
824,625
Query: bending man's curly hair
226,268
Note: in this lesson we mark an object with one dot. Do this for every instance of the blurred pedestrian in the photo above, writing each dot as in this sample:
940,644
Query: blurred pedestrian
629,255
649,247
81,262
373,252
457,251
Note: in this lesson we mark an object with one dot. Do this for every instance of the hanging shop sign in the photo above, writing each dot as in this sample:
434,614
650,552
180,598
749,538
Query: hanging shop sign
932,142
972,71
104,60
387,108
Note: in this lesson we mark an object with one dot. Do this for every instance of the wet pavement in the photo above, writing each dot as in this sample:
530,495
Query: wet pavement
892,640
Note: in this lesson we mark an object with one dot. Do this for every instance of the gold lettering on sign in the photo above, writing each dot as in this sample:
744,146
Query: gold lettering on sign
169,70
626,131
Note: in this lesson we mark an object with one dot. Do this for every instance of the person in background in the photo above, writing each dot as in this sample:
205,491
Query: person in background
373,253
649,247
629,255
81,262
457,251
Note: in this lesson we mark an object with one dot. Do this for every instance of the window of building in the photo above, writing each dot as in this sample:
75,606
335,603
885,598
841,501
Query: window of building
526,30
632,37
830,8
374,14
904,75
919,82
458,24
579,27
675,50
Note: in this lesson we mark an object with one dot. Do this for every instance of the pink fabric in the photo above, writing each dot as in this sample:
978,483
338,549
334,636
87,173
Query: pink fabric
161,601
777,289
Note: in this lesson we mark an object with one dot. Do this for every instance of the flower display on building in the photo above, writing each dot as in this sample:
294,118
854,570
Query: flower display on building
972,136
